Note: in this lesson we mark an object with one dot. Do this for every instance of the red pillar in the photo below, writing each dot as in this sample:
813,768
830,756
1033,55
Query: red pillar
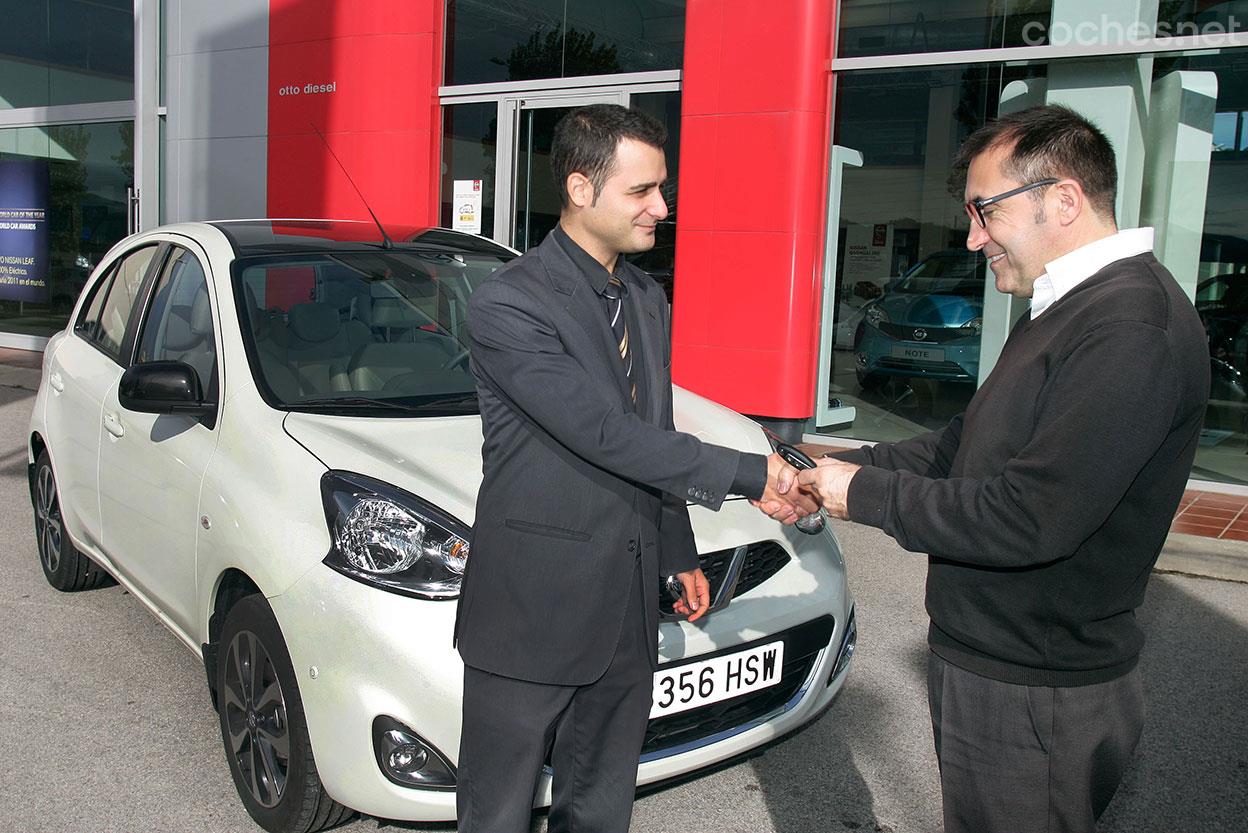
382,117
754,135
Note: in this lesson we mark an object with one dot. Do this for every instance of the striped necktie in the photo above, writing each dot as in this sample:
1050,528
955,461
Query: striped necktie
614,292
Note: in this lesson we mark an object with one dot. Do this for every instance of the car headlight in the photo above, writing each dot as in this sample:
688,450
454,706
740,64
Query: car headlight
386,537
975,325
876,316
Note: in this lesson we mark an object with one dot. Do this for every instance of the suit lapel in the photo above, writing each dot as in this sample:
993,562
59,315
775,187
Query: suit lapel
650,338
586,308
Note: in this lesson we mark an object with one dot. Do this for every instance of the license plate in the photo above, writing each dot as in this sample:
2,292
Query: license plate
919,354
685,687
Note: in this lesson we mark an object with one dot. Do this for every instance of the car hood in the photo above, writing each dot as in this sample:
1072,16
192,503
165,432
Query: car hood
439,458
930,310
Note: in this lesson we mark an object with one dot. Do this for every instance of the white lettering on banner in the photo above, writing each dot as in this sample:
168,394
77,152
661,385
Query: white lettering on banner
309,88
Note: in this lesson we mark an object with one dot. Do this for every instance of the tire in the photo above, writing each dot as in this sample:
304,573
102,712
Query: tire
65,568
263,726
871,381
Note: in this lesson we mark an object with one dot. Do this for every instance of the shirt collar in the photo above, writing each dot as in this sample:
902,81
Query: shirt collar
1072,269
595,273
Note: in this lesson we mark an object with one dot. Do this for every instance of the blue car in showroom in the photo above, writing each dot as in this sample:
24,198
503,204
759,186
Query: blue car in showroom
927,323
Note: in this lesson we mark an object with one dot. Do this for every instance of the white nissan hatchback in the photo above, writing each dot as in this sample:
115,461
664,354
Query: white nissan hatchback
267,431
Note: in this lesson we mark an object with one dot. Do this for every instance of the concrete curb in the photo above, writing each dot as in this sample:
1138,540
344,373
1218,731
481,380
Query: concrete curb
1195,555
26,378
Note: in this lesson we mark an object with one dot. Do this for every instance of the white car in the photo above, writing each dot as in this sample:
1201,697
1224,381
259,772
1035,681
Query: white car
267,431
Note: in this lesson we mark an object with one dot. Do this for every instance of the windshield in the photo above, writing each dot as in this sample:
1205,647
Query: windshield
959,274
378,333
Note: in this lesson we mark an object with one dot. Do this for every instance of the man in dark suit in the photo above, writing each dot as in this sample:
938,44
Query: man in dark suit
582,507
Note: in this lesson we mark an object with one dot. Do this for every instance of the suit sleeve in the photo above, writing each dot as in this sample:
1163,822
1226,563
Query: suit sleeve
517,351
678,550
1094,432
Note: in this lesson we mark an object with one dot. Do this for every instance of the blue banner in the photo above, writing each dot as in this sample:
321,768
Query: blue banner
24,230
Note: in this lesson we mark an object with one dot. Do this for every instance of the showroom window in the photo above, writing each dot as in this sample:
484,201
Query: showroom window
74,180
918,322
491,42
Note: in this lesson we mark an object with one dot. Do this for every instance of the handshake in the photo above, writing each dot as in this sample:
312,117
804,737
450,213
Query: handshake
791,494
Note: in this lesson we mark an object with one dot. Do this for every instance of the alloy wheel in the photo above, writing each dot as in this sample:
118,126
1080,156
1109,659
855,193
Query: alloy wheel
255,717
48,519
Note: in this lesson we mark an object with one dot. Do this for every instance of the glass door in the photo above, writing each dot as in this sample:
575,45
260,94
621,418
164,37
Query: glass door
533,196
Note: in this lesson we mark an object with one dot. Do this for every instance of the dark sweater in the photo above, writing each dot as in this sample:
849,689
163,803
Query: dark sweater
1044,506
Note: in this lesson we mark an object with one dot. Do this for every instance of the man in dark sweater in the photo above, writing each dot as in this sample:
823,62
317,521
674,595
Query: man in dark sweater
1044,506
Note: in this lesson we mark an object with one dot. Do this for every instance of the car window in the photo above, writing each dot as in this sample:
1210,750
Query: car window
329,331
88,324
119,303
178,326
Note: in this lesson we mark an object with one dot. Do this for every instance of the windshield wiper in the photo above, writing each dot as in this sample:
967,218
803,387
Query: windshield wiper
365,402
352,402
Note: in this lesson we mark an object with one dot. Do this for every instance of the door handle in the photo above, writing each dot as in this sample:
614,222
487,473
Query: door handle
56,382
113,425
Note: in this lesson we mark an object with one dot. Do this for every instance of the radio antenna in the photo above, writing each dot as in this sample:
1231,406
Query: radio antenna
387,243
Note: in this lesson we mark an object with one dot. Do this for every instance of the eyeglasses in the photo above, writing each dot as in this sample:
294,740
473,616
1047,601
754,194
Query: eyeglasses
975,208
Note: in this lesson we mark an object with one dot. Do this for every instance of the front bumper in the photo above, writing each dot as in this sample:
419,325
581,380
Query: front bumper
878,353
360,652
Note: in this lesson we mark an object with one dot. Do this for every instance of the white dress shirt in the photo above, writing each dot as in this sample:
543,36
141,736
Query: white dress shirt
1072,269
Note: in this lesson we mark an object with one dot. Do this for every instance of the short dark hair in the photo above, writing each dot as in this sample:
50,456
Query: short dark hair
1048,141
585,141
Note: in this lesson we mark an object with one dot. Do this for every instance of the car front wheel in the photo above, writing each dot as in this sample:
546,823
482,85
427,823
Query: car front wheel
66,569
263,727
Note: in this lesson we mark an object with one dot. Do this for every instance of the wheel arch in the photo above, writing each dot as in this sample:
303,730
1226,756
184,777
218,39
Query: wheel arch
232,586
37,446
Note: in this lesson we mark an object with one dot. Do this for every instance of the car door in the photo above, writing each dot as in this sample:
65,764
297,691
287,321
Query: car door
85,366
152,465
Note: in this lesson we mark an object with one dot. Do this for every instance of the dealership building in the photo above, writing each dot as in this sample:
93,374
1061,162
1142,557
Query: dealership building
814,256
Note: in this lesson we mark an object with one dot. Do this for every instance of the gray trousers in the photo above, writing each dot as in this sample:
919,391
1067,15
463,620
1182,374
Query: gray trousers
1029,759
594,734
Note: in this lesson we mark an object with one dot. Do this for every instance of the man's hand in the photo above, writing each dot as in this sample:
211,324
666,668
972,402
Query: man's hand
781,499
829,482
695,598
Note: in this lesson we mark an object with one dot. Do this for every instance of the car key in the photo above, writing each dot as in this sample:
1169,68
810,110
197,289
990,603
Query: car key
811,524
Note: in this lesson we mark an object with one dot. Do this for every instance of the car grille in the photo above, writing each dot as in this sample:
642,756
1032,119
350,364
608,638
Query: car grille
931,335
921,368
763,559
801,647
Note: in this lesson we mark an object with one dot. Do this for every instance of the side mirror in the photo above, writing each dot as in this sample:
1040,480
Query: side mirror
164,388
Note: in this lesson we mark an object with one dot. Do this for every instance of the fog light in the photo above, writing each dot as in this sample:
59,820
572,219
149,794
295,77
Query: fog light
846,652
407,759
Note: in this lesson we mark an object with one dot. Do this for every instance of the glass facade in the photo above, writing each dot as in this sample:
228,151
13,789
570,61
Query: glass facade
892,27
917,322
87,168
55,52
493,42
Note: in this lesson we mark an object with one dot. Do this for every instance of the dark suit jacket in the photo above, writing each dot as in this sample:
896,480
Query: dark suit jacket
577,486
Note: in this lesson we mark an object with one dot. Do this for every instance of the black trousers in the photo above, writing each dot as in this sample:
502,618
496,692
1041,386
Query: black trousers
1029,759
593,732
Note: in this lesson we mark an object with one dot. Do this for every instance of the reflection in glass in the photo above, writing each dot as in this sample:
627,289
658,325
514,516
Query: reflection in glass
66,52
910,309
660,262
537,196
469,151
1220,255
89,168
890,27
489,42
901,268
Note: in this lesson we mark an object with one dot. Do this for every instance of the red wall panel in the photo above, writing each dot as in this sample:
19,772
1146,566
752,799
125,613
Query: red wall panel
381,117
754,134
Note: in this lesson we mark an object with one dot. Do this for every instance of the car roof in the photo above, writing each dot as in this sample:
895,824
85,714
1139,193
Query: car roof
250,238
